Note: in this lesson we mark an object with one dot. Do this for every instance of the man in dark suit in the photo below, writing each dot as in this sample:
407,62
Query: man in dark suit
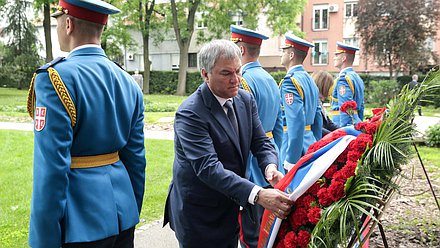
212,143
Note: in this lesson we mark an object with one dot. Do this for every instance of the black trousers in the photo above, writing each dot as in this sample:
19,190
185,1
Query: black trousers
124,239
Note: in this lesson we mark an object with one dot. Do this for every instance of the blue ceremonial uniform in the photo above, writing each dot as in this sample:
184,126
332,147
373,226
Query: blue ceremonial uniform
104,115
265,91
348,86
264,88
302,113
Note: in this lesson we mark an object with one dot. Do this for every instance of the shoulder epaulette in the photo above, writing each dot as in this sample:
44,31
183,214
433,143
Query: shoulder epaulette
298,87
288,76
350,84
60,89
245,85
50,64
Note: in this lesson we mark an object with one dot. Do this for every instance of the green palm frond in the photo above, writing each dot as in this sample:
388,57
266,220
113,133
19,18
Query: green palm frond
393,139
378,169
360,199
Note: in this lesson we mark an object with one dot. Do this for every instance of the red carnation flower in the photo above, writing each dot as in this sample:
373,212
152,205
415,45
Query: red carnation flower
281,244
304,201
298,218
336,190
345,173
378,111
290,240
354,155
348,106
324,197
303,238
330,171
313,190
314,215
342,157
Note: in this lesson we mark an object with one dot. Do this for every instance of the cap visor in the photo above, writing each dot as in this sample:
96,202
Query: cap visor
56,14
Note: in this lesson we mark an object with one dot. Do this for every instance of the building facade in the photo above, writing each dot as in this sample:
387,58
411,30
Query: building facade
324,22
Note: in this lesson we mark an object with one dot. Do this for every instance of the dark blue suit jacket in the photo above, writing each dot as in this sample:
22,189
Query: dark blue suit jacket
208,183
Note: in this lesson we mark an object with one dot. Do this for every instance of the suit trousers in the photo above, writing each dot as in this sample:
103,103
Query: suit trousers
124,239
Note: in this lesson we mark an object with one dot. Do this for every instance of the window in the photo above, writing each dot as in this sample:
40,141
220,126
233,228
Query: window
352,41
202,24
351,9
429,43
201,20
192,59
320,17
320,53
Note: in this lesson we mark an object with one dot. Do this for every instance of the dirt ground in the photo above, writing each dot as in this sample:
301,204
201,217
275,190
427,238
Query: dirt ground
412,218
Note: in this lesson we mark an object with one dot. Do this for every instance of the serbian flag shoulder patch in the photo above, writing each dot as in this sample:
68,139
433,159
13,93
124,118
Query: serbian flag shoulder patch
40,118
288,97
342,90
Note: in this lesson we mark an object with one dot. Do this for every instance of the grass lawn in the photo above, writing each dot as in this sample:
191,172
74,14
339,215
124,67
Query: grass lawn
16,154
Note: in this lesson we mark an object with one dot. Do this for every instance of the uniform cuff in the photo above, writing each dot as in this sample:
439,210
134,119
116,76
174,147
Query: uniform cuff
267,167
288,166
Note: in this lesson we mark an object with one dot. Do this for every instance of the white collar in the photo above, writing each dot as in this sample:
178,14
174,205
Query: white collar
84,46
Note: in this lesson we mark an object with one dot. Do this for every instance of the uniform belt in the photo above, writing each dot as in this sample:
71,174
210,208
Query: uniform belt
94,161
269,134
336,112
306,128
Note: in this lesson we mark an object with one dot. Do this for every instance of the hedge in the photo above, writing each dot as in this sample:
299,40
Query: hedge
165,82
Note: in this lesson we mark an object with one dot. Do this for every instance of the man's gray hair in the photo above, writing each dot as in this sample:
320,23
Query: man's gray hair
212,51
415,77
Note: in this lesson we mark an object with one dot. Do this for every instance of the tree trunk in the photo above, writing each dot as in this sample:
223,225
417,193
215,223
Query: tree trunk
47,33
183,66
147,63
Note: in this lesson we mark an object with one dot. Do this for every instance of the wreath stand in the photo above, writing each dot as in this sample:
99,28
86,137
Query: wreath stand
369,223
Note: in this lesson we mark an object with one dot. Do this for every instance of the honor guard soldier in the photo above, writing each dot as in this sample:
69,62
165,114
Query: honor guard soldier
89,155
264,88
348,86
300,100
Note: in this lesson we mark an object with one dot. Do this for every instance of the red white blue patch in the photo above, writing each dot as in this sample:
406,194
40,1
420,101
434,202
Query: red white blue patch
288,97
40,118
342,90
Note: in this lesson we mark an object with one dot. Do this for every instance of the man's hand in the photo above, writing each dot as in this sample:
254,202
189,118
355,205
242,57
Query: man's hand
275,201
273,176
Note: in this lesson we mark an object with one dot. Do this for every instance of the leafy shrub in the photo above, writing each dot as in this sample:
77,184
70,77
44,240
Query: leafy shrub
433,136
381,92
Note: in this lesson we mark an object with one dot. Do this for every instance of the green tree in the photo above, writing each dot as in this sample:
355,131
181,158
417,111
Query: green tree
116,35
21,56
149,18
217,15
45,5
395,32
184,31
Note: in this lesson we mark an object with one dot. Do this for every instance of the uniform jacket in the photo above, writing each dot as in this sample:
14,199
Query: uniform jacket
348,86
80,205
208,184
265,91
300,99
